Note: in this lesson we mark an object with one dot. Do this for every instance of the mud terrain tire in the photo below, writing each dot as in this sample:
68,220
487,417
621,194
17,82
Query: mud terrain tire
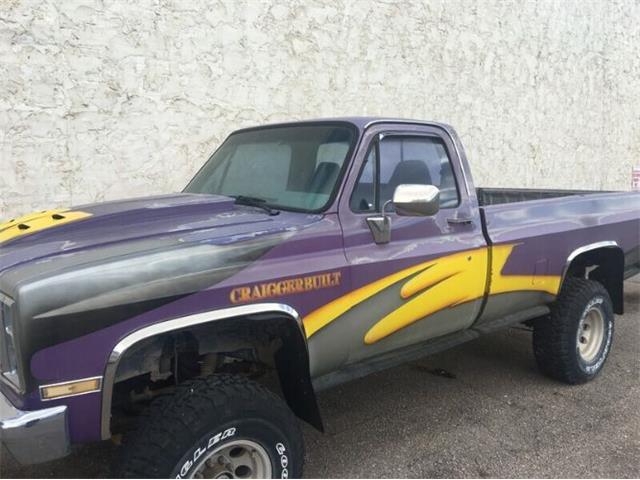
572,344
197,429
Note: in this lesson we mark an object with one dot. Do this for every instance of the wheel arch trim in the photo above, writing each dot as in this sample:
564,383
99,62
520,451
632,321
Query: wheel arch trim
615,286
175,324
587,248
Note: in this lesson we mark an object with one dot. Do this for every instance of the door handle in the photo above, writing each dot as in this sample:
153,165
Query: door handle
460,220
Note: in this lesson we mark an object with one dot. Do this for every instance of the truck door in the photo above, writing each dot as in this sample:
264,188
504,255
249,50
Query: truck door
429,279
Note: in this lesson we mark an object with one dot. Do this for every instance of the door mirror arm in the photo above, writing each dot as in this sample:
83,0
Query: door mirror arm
380,225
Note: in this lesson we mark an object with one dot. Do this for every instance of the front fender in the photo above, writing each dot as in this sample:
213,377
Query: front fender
291,359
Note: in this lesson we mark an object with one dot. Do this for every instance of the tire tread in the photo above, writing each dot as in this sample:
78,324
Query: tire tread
171,420
554,336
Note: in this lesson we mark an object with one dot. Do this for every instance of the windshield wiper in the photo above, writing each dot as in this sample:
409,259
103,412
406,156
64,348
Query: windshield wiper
255,202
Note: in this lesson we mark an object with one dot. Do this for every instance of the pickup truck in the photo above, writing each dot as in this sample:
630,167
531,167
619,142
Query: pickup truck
193,328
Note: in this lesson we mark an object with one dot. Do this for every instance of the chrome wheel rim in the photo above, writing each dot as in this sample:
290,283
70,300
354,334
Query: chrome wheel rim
591,335
237,459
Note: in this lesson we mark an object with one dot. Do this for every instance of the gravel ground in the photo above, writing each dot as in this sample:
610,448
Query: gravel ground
478,410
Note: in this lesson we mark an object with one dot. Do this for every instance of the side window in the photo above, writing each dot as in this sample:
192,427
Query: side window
410,159
421,160
363,198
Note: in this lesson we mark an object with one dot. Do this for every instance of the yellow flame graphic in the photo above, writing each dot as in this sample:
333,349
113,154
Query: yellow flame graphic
441,283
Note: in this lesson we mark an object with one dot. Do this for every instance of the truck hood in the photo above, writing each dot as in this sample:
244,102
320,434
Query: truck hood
133,253
84,269
131,225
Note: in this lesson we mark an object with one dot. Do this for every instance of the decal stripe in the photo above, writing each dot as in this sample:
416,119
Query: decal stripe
37,222
514,283
453,280
324,315
440,283
26,218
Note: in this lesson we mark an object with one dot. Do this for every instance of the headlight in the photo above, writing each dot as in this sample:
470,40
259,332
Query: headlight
8,356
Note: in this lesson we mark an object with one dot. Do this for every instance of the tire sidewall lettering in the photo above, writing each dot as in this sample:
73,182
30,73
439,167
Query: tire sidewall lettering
201,449
278,452
284,460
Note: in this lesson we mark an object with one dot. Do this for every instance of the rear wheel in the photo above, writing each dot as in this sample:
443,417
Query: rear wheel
223,426
572,344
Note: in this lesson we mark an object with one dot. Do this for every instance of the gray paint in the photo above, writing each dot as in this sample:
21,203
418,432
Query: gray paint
72,295
342,341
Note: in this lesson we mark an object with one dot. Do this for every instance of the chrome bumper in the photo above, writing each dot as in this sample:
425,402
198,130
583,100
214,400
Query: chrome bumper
34,436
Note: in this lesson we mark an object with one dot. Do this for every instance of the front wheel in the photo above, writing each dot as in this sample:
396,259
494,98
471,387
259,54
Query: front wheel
572,344
223,426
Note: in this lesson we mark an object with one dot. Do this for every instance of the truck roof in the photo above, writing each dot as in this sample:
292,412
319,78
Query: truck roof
360,122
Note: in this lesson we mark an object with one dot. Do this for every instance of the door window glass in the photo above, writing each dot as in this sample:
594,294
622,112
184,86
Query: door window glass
419,160
415,160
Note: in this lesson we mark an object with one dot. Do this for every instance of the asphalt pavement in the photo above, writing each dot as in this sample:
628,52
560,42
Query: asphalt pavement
478,410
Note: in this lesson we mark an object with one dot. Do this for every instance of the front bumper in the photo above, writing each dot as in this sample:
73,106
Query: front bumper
34,436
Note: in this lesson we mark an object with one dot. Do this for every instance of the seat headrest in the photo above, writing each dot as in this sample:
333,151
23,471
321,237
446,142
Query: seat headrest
410,171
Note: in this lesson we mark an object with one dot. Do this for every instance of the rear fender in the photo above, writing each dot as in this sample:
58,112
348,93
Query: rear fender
603,262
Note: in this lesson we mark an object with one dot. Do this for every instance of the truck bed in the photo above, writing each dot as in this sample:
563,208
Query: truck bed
545,230
549,229
496,196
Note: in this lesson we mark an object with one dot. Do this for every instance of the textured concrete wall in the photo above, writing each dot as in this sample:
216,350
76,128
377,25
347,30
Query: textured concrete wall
108,99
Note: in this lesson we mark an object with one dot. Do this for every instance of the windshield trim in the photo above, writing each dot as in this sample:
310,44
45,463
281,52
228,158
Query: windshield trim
343,169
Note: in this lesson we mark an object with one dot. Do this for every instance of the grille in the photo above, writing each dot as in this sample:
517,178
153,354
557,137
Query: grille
8,354
3,351
7,342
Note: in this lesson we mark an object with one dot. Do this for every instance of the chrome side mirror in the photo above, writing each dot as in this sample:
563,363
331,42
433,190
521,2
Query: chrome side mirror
412,200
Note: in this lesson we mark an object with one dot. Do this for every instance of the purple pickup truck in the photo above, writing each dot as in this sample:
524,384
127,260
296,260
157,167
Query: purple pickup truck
197,326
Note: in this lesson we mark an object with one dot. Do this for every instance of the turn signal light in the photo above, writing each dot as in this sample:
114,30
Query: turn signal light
70,389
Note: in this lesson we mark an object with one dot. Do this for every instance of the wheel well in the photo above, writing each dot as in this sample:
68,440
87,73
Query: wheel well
269,348
605,265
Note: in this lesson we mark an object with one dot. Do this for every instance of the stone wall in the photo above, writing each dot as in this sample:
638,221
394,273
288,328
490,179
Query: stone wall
108,99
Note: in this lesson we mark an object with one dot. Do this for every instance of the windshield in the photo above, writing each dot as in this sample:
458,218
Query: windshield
293,167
